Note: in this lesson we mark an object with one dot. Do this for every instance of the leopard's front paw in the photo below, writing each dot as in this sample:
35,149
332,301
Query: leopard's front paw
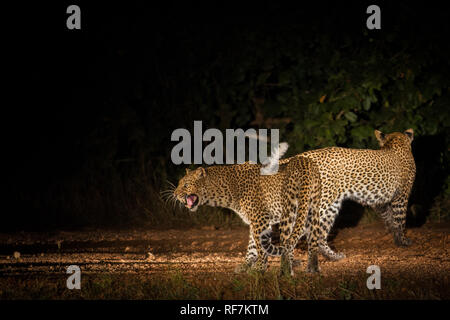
312,269
244,267
313,263
257,267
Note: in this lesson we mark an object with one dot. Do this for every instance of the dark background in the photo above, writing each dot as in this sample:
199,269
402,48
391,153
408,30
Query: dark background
86,131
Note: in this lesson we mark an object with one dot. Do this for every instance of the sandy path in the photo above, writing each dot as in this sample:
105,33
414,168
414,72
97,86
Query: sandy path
209,251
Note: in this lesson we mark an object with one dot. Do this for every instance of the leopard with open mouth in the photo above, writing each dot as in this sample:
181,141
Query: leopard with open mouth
261,201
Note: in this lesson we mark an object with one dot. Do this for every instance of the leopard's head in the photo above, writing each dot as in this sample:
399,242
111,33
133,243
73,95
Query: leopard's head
190,188
395,138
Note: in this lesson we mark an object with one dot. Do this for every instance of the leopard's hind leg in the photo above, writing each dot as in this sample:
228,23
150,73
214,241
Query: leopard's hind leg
302,197
327,217
250,257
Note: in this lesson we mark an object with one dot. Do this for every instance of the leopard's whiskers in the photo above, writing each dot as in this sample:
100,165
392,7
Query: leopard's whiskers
171,184
168,195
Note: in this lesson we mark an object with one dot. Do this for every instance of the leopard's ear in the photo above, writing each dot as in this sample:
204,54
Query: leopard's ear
410,134
201,172
187,170
381,137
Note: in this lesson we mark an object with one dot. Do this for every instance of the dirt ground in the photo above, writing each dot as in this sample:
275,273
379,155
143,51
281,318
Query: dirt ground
154,264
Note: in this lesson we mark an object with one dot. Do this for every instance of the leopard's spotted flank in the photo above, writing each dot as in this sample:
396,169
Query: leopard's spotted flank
381,179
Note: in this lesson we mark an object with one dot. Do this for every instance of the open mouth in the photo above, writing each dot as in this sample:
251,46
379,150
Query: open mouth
191,201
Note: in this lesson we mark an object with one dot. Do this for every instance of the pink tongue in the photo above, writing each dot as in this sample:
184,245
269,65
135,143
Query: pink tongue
190,201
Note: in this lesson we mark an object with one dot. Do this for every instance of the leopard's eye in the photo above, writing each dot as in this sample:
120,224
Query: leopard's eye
185,185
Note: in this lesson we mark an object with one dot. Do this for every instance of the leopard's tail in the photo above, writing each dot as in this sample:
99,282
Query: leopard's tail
266,244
